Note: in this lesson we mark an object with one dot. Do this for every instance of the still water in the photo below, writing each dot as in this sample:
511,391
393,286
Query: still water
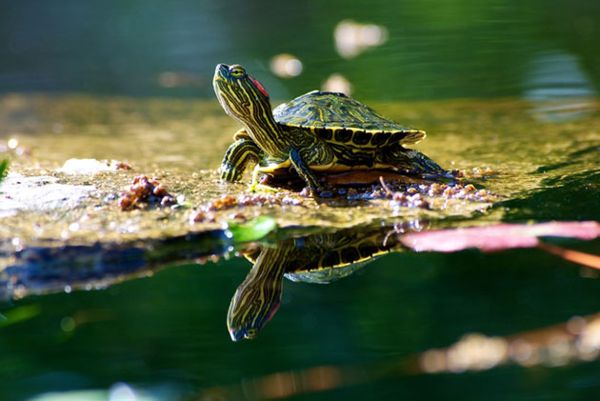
158,319
413,49
111,305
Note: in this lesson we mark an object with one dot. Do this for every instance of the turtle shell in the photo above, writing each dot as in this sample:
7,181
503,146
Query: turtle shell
337,118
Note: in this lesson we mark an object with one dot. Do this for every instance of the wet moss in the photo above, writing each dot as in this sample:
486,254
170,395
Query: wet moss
497,144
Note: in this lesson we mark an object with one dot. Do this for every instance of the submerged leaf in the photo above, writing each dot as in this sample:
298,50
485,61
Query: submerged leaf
252,230
498,237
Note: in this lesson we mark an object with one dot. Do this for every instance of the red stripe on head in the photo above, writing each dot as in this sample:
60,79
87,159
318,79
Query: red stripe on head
259,86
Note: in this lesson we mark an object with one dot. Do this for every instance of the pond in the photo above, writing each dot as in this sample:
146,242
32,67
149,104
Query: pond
190,301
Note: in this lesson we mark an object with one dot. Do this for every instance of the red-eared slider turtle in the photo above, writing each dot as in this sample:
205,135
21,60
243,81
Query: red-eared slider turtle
319,258
318,132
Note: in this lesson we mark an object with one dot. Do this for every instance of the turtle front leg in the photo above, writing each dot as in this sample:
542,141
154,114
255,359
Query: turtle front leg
255,184
237,157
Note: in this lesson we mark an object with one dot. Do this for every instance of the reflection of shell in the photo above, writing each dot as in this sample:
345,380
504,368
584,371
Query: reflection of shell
352,38
327,275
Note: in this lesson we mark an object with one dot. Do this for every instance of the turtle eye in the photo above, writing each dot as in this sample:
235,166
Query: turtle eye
236,71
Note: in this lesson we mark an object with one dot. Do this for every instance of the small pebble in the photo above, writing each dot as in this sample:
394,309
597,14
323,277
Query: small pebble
144,192
470,188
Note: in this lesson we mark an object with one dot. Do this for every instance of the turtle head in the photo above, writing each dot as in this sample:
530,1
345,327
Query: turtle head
246,100
241,95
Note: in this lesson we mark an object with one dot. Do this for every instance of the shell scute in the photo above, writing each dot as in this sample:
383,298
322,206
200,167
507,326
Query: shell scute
343,135
338,118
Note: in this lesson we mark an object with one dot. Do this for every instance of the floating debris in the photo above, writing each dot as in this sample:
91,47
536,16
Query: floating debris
353,38
473,352
286,65
144,192
577,340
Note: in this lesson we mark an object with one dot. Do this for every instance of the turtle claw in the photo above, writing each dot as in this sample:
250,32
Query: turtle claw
319,192
262,188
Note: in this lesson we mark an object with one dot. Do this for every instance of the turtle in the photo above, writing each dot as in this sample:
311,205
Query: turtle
318,258
316,133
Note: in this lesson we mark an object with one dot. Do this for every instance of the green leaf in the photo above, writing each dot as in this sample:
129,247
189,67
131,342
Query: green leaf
19,314
252,230
3,169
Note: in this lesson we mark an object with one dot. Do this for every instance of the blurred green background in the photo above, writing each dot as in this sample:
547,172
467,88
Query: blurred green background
430,49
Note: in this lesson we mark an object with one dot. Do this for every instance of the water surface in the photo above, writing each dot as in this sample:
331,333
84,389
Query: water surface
165,333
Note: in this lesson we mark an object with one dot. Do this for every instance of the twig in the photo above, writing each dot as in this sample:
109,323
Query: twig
581,258
385,187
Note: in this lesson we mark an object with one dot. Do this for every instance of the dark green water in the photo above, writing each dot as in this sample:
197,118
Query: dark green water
460,48
533,70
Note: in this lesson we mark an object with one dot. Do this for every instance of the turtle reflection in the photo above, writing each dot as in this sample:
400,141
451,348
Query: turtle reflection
318,258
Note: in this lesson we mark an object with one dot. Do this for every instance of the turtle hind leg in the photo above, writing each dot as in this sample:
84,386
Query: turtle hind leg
304,171
237,158
411,161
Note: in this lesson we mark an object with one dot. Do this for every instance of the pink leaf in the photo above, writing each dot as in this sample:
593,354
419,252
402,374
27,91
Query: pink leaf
498,237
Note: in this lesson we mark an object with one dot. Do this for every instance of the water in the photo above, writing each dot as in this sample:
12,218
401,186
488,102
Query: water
163,330
135,308
458,49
